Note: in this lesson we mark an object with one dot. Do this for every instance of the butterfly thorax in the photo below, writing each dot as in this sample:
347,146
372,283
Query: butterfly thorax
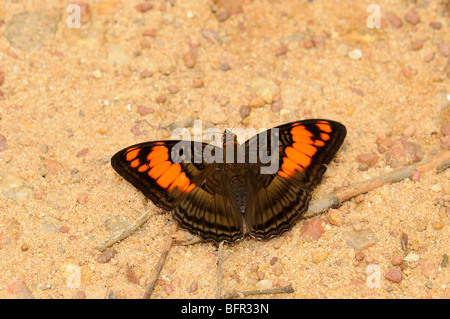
235,169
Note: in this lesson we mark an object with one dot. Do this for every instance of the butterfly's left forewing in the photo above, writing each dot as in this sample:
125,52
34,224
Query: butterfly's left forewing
177,178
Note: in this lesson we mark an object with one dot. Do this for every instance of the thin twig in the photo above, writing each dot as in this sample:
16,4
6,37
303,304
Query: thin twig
240,294
439,162
127,231
219,274
160,264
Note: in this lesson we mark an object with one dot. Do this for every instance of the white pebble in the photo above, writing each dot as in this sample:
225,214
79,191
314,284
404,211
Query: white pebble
436,188
355,54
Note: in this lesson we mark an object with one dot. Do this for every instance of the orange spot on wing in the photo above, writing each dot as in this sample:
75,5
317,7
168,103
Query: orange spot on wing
135,163
289,167
181,182
301,130
169,176
157,151
283,174
143,168
302,139
159,169
162,157
324,136
308,149
190,188
132,153
319,143
324,127
298,157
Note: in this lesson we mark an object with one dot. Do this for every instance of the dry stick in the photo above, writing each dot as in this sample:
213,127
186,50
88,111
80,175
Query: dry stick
440,162
160,264
127,231
270,291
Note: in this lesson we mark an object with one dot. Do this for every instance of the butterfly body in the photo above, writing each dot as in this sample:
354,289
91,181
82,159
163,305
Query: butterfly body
260,187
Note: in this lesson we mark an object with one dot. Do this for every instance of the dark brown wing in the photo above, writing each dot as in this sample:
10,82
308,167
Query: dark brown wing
177,178
210,212
280,190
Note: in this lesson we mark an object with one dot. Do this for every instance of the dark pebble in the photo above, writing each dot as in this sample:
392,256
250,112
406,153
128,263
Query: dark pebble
106,256
245,111
225,67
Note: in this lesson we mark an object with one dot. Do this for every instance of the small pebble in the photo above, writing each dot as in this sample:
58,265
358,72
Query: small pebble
189,59
438,224
225,67
319,256
446,142
83,152
409,131
149,33
436,25
194,286
24,247
444,48
245,110
198,83
106,256
82,198
146,74
284,284
436,188
360,239
144,110
64,229
417,45
80,294
335,217
309,44
416,176
412,17
144,7
445,129
421,225
3,144
318,41
359,256
173,89
161,99
394,275
397,260
281,50
273,261
264,284
429,57
366,160
444,261
312,229
394,19
276,106
132,277
355,54
168,288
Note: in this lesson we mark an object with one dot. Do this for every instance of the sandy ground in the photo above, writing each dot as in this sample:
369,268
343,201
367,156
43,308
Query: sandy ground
72,97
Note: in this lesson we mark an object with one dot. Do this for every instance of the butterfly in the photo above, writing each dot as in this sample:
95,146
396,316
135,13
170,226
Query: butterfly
261,187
